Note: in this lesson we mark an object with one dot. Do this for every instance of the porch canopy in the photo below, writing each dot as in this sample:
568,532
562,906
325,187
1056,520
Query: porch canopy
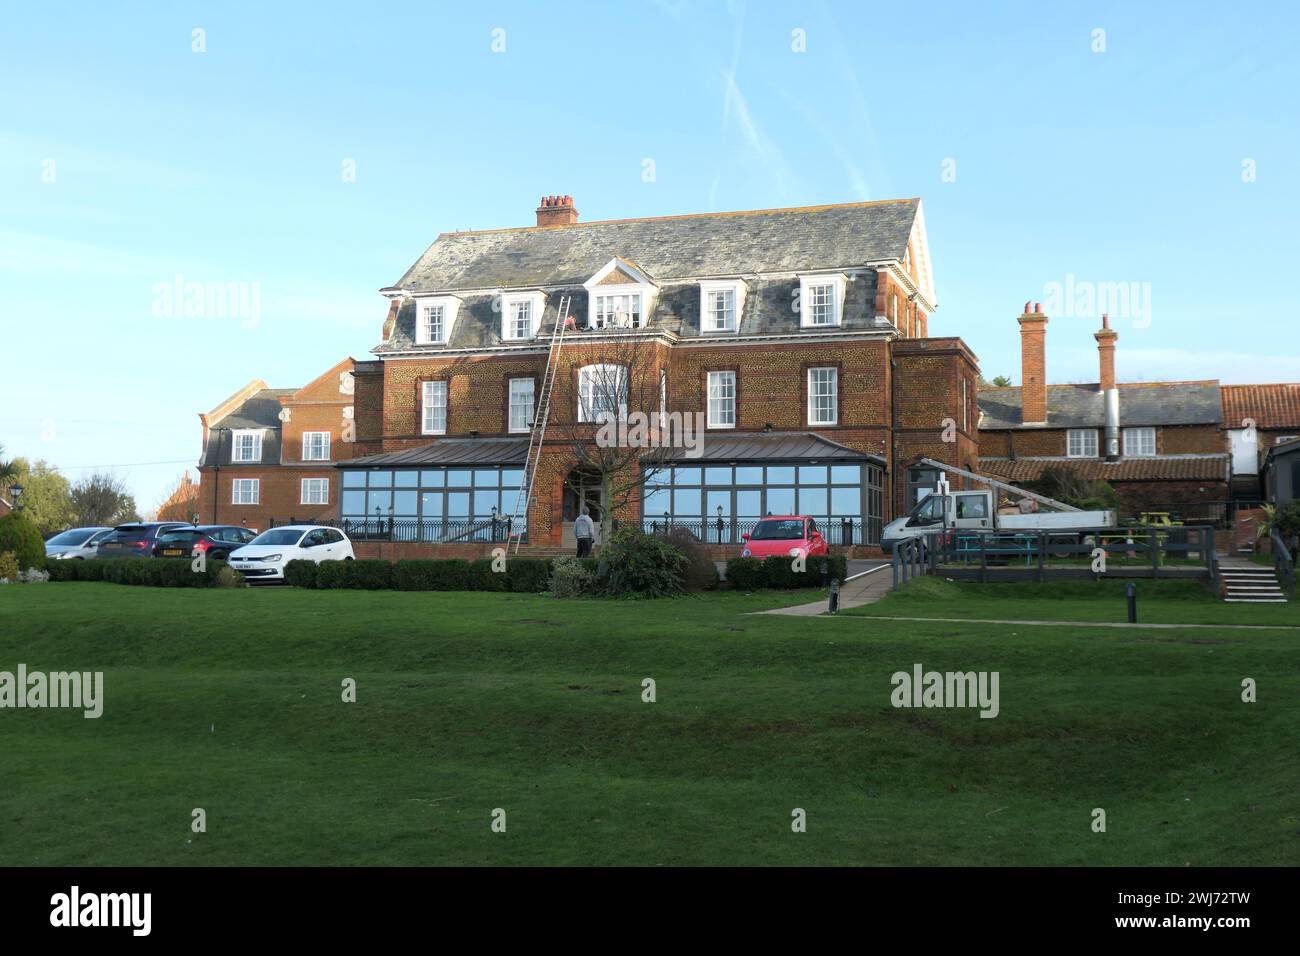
721,489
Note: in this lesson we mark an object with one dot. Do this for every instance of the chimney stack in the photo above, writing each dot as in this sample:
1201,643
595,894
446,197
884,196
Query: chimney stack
1033,365
1106,338
556,211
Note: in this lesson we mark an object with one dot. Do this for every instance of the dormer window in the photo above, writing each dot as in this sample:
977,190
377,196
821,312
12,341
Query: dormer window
245,445
721,303
821,300
620,296
521,315
434,317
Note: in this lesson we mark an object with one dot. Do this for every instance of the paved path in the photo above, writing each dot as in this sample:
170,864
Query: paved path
865,587
1120,624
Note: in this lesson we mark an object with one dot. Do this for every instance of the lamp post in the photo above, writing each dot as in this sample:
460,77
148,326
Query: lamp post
494,522
17,492
719,524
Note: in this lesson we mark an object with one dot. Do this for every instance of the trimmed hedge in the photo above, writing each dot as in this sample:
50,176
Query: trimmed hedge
300,574
150,572
751,574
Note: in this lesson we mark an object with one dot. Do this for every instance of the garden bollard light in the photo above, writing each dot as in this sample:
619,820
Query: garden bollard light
1132,603
835,595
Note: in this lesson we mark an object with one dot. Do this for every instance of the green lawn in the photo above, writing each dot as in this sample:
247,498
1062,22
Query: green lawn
1159,602
229,700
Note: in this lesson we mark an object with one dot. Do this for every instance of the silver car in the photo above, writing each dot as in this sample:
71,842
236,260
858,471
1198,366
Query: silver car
75,543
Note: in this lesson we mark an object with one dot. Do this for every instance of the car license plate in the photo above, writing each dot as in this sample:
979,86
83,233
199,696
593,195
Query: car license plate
173,551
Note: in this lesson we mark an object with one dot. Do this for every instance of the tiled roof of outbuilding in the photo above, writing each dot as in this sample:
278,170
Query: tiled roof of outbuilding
1163,468
1269,406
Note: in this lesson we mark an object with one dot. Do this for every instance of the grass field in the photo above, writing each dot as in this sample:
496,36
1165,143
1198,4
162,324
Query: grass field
229,700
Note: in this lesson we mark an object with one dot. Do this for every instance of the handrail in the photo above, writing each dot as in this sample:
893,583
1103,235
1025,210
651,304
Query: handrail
1283,565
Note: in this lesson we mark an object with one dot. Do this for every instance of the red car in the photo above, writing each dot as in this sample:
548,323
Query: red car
782,536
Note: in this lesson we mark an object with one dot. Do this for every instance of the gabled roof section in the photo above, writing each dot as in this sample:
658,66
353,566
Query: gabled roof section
253,407
619,271
1083,406
761,241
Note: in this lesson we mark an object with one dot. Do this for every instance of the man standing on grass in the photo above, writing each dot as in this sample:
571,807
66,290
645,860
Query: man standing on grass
585,531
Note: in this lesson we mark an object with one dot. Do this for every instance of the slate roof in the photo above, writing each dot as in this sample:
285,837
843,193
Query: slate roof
749,245
259,410
449,451
773,446
667,247
1082,406
1163,468
1271,406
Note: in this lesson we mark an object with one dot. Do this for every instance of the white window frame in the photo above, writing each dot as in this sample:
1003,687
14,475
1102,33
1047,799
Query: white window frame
307,442
722,390
536,302
600,314
430,392
236,440
813,420
511,402
319,493
807,285
1084,438
591,375
735,289
450,306
1139,435
246,485
604,310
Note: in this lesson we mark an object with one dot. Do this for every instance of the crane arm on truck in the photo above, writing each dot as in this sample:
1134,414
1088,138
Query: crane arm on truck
994,483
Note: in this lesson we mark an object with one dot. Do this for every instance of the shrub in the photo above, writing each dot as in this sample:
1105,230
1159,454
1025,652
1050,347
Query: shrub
701,571
20,536
529,575
571,577
751,574
370,574
8,566
33,576
483,578
422,574
636,564
300,574
331,574
745,574
224,576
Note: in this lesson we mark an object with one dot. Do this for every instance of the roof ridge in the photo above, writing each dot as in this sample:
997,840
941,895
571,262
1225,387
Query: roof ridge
689,215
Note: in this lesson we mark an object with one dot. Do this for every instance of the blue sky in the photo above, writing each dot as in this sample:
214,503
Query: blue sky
128,159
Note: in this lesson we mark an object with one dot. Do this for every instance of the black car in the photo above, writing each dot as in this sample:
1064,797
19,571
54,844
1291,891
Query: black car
134,540
214,540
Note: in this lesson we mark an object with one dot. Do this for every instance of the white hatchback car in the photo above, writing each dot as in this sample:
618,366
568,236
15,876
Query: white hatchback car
76,543
264,558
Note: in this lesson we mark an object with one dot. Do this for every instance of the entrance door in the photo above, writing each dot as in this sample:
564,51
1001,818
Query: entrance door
581,488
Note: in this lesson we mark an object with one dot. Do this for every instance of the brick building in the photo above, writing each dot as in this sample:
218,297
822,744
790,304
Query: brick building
1160,444
1257,418
800,337
269,453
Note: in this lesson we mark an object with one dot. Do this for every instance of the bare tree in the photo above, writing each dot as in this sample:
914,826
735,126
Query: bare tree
607,407
102,499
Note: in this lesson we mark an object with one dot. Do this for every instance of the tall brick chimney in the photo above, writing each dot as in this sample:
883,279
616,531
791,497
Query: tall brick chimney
556,211
1106,338
1033,365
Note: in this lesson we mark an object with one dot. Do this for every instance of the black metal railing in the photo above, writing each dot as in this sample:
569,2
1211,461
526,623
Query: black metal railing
1143,549
839,531
1283,563
912,558
473,530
